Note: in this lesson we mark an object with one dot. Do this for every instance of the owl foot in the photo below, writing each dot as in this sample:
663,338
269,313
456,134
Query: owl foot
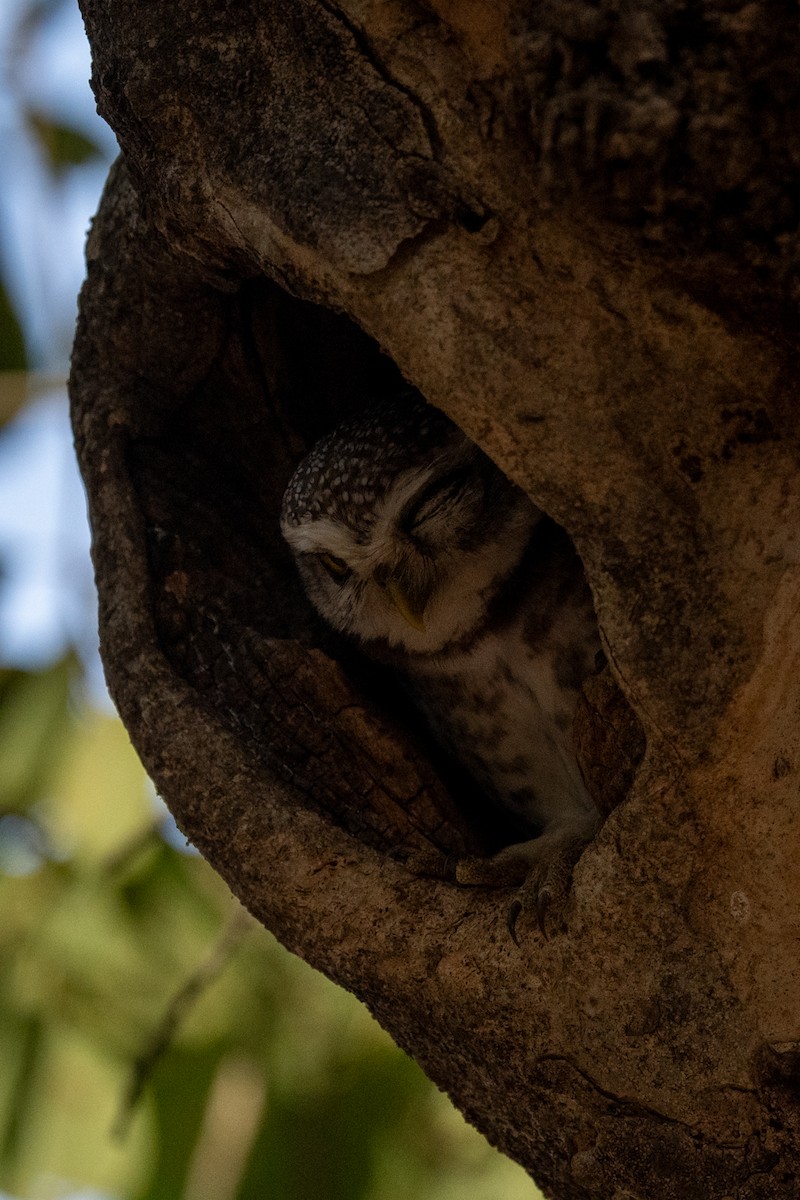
545,888
542,869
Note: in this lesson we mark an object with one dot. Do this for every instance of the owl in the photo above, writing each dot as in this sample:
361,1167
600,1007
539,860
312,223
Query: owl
411,542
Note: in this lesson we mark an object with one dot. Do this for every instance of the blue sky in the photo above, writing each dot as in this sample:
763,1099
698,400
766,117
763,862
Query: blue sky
46,595
43,221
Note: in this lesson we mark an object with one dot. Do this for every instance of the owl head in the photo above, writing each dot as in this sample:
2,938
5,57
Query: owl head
402,529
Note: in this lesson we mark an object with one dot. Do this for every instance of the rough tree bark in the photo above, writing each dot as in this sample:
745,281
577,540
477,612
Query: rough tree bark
573,227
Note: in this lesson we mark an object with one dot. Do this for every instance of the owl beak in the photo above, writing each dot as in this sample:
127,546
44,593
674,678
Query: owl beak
411,608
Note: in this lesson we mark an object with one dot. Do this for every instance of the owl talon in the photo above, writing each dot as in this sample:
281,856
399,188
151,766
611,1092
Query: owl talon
542,870
544,899
512,916
451,867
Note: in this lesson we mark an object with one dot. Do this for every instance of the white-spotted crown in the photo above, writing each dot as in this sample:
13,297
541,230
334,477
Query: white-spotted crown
403,529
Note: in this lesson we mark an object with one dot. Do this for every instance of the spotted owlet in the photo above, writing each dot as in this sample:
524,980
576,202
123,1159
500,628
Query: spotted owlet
411,541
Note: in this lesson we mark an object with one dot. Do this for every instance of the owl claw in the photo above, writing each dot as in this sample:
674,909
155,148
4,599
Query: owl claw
542,895
542,869
517,907
512,916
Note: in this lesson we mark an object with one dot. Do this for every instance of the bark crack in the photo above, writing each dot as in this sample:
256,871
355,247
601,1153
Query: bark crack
363,43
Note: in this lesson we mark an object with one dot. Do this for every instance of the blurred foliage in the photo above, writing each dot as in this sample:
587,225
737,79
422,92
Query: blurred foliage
63,146
266,1081
12,342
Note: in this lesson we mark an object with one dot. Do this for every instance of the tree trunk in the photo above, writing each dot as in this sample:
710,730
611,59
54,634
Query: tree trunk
573,227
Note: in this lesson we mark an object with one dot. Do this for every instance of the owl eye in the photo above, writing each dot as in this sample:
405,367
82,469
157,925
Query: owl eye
436,496
337,568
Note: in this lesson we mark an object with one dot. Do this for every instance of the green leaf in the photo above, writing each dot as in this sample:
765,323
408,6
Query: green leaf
102,799
180,1092
19,1039
67,1107
34,721
12,342
18,388
63,146
322,1145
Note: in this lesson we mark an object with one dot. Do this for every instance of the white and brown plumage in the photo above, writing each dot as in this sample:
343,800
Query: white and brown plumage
410,540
